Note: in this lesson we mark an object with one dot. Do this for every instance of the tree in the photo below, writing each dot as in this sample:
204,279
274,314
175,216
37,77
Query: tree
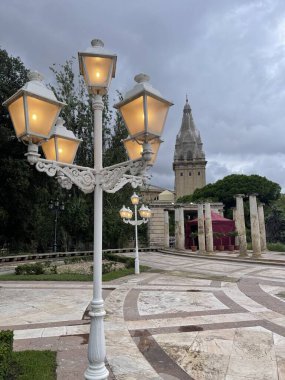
225,189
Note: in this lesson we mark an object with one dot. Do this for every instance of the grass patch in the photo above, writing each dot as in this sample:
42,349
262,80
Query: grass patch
70,276
36,365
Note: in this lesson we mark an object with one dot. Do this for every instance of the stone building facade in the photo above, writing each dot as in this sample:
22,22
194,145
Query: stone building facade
189,162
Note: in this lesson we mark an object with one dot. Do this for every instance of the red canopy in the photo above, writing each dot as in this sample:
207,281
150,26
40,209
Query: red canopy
219,224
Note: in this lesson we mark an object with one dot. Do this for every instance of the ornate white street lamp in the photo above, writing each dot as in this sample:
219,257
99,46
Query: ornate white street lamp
34,110
126,214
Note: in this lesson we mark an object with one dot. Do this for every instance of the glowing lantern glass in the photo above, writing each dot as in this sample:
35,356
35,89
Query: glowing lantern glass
33,110
134,149
98,66
62,145
126,213
145,212
144,110
135,199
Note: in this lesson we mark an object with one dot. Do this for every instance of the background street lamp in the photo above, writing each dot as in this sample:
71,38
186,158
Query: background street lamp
34,110
57,207
126,214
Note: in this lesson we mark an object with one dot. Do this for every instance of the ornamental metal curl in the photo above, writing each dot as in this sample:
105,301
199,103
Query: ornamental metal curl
114,178
64,182
83,179
46,167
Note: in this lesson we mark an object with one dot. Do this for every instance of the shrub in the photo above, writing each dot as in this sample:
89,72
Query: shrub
277,247
6,347
36,268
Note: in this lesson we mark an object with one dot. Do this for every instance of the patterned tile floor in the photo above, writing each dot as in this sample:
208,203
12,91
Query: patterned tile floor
190,319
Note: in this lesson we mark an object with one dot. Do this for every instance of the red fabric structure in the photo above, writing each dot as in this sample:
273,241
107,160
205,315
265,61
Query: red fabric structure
219,224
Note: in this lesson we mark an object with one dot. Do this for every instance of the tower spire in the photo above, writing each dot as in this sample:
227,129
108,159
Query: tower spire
189,158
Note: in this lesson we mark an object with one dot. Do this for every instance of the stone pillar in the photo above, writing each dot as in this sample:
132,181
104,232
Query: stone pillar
166,229
179,228
201,229
208,228
234,219
263,244
240,225
254,224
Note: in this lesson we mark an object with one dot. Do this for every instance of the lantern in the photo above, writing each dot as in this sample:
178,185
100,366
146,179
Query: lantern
144,110
135,199
126,213
62,145
98,66
145,212
33,110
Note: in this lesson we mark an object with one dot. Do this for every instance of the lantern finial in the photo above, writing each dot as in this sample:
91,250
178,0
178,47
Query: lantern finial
35,75
96,42
141,78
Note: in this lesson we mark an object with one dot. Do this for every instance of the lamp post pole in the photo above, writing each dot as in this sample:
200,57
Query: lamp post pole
55,229
137,262
96,347
56,207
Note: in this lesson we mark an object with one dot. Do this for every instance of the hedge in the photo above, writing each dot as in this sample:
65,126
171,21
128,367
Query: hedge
6,348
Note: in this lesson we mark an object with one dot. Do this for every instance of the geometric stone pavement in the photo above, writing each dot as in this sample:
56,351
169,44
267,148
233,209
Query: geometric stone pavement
190,319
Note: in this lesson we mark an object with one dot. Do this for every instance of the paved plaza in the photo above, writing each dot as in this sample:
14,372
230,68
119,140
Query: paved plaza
190,318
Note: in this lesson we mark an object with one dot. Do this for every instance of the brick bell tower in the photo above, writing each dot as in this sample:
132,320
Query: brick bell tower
189,162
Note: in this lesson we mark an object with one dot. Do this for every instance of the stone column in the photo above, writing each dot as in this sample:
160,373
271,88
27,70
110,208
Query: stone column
263,244
208,228
234,219
254,224
201,229
166,229
179,228
240,225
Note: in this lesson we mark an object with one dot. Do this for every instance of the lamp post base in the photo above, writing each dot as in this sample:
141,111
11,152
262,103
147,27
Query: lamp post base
96,372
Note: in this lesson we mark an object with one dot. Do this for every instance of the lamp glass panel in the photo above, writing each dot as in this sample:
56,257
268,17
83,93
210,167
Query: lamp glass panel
134,149
143,213
49,149
135,200
66,150
133,114
16,110
157,112
99,71
41,116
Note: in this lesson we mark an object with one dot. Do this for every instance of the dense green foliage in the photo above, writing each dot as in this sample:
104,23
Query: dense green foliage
275,221
6,347
225,189
26,223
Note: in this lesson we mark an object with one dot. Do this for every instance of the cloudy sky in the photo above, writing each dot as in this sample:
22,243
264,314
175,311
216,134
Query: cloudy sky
227,55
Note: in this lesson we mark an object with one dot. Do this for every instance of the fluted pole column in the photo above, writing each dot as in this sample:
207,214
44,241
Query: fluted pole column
179,228
240,225
263,244
166,229
208,228
201,228
254,224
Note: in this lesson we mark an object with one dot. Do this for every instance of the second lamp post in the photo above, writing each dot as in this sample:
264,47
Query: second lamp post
126,214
